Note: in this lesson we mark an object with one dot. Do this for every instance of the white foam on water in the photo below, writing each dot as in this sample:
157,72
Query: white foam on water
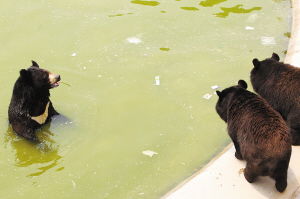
267,41
214,87
134,40
249,28
157,81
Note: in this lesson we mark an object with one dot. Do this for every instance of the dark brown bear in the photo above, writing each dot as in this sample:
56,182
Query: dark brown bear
259,133
279,84
30,106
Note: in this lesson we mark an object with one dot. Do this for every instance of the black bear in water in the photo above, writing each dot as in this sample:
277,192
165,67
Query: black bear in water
259,133
279,84
30,106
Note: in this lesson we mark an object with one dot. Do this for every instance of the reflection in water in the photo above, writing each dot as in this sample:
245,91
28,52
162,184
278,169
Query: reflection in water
210,3
146,3
236,9
27,153
189,8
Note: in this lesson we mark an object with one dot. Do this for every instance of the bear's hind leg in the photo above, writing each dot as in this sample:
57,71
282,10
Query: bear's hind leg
23,131
280,175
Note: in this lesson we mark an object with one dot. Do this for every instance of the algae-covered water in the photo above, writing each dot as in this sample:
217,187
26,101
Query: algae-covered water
136,73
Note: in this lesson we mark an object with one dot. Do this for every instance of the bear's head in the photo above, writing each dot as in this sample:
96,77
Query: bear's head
39,78
225,98
264,67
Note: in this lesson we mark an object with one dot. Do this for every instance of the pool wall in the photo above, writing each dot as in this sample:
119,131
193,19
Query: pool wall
293,53
223,176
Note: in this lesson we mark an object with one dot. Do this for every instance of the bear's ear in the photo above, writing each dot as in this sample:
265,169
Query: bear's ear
275,57
219,93
35,64
25,74
242,84
256,63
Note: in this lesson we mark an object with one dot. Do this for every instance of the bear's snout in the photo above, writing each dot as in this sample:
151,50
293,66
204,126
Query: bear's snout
58,77
54,80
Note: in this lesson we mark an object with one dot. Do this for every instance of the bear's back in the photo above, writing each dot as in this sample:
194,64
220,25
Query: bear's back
258,126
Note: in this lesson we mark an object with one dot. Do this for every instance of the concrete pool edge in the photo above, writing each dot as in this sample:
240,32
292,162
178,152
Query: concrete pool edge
221,177
293,52
206,166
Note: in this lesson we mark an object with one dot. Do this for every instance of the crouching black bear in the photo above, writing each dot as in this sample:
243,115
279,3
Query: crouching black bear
279,84
259,133
30,106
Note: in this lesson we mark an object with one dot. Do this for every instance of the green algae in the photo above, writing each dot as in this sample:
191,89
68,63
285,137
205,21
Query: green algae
210,3
164,49
190,8
146,3
238,9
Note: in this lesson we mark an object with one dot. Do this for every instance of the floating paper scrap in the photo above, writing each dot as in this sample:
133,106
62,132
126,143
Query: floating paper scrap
157,81
249,28
149,153
207,96
134,40
74,54
215,87
267,41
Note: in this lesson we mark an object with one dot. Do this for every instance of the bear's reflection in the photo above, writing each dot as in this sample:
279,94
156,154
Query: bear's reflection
45,154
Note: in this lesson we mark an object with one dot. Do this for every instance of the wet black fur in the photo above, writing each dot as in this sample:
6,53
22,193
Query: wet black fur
259,133
279,84
30,97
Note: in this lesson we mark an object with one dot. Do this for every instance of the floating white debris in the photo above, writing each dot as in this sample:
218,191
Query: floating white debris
214,87
99,76
74,184
74,54
207,96
249,28
267,41
134,40
157,81
149,153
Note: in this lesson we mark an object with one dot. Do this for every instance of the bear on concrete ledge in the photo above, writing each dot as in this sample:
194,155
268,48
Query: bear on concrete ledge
259,134
30,106
279,84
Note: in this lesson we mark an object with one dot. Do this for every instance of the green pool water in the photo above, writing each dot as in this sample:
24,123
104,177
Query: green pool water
136,73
